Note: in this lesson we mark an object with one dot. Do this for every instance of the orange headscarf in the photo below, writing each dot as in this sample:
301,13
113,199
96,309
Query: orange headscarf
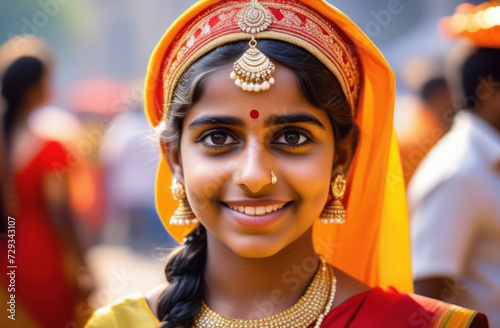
373,244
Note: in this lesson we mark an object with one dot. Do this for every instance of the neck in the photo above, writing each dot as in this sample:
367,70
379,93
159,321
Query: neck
255,288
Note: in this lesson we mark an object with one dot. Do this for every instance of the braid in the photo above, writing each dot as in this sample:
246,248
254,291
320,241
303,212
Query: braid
181,300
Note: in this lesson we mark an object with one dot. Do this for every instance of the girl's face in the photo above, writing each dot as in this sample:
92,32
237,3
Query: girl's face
231,141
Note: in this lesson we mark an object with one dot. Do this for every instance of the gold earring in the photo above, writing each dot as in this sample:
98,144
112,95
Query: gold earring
183,215
274,179
334,211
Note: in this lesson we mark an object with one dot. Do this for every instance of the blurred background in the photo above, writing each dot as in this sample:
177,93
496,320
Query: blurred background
100,52
112,39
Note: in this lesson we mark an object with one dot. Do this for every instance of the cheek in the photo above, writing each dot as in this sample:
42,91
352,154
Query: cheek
204,177
310,177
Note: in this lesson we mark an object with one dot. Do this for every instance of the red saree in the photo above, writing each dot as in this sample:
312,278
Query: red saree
376,308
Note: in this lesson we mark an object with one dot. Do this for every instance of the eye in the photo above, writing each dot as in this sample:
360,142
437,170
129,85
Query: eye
217,138
293,138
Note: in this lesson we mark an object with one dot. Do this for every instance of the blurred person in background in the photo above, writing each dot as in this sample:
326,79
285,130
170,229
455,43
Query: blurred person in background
428,117
51,279
131,218
454,195
94,101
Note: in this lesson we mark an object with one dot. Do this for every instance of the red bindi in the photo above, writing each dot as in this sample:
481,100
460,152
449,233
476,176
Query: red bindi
254,114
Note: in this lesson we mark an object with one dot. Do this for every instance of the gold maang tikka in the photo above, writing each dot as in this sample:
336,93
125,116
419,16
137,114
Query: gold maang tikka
253,71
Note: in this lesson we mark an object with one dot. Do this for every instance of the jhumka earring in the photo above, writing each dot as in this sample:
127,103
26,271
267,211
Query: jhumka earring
334,211
183,215
253,71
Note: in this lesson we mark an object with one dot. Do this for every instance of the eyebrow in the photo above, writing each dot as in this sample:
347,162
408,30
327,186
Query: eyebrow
216,120
293,118
270,121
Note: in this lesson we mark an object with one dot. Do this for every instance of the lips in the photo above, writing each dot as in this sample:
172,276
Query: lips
256,210
256,214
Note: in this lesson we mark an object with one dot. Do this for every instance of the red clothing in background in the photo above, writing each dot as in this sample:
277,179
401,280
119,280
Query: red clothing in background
43,288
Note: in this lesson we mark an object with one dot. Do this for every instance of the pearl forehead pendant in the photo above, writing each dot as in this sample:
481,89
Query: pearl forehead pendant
253,71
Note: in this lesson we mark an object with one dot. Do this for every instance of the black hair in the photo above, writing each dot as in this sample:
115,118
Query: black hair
432,88
479,66
24,73
181,300
19,77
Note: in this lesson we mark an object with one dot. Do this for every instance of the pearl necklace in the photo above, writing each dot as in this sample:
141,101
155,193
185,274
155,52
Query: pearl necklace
312,307
329,305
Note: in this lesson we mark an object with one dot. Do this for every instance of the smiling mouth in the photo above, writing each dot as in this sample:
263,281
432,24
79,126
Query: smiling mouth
257,210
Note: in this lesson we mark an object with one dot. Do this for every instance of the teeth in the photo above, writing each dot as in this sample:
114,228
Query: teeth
260,210
256,210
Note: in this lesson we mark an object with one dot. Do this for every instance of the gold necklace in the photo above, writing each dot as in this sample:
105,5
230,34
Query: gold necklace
313,306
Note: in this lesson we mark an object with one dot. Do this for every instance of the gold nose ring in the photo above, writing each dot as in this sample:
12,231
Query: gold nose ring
273,178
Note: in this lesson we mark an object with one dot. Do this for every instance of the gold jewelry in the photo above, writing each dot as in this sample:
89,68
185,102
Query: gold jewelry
329,305
274,179
183,215
253,71
334,211
313,306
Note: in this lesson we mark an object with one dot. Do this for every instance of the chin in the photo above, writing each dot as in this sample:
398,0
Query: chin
255,248
254,253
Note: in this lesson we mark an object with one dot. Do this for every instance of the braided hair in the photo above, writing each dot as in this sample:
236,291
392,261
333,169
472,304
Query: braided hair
184,272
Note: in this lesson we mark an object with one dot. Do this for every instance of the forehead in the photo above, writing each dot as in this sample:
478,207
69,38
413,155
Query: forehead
222,97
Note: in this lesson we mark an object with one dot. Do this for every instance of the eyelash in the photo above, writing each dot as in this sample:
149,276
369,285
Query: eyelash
208,133
301,132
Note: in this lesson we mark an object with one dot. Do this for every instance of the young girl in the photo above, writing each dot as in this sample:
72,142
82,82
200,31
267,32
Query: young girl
275,122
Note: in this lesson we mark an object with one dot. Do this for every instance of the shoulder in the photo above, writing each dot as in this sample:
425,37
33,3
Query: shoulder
435,183
417,310
152,297
455,158
54,156
53,150
347,287
129,311
390,308
449,315
55,147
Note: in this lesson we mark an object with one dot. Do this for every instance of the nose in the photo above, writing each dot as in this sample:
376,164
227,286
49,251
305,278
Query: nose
253,172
